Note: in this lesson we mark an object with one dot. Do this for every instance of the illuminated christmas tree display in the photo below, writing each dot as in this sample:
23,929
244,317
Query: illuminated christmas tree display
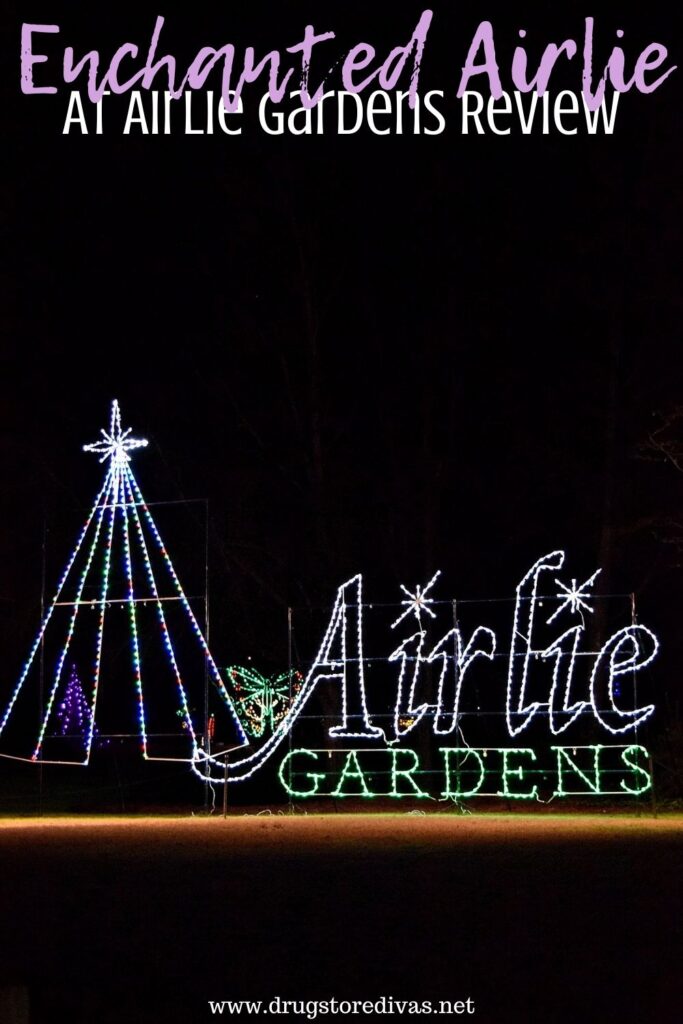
118,574
74,714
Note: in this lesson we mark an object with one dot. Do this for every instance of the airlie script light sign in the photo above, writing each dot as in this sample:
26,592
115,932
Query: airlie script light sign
460,703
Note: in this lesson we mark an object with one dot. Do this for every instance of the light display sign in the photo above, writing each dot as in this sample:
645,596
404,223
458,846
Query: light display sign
464,772
418,698
418,720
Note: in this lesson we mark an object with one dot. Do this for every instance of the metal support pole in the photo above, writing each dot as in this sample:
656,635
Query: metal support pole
207,737
634,676
225,786
289,732
41,669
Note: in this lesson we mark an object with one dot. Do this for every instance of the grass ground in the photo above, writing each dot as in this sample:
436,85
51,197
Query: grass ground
533,917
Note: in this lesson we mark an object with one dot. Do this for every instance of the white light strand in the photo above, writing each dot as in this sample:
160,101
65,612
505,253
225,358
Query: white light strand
165,635
482,644
406,715
132,618
366,729
517,682
629,638
561,712
72,623
103,606
186,605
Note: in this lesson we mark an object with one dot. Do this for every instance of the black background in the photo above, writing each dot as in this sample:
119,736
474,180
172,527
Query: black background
381,354
371,354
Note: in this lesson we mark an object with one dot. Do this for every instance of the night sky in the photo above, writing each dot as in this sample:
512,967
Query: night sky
386,355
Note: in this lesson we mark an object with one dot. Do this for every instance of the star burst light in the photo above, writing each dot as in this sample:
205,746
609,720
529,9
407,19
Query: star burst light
417,602
116,443
574,597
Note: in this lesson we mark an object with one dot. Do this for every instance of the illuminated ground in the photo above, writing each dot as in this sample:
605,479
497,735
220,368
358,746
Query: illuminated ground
265,830
537,918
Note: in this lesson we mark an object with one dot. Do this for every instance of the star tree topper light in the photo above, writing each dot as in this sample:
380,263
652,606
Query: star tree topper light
121,525
115,444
